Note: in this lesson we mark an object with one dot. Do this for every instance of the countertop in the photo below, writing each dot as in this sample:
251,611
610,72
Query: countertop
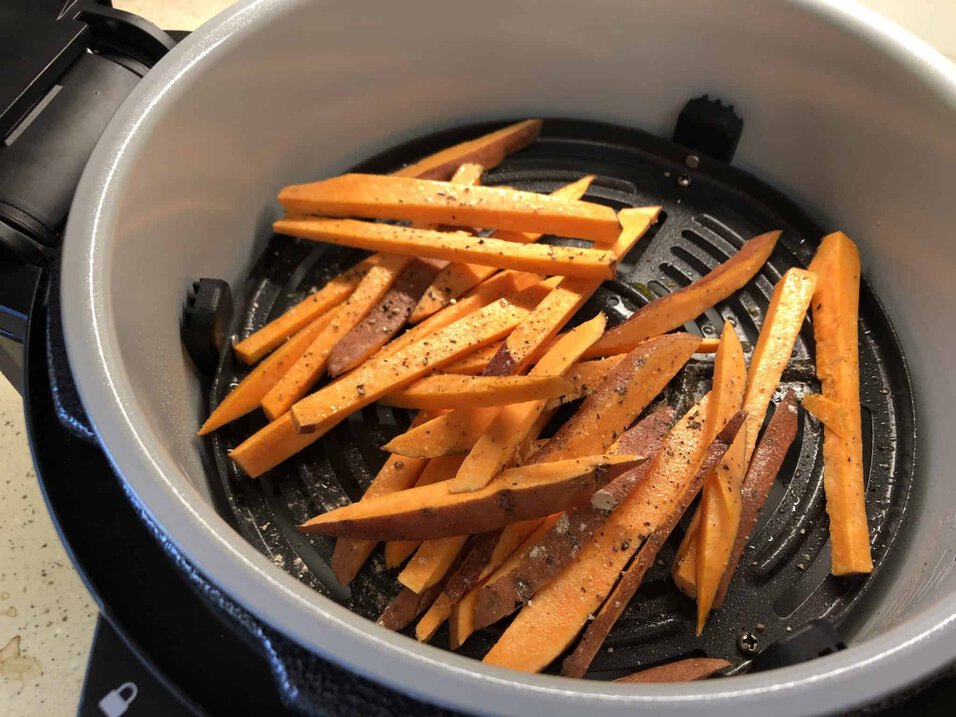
46,615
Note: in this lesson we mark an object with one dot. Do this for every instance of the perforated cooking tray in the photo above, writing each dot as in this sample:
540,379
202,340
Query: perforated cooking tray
709,210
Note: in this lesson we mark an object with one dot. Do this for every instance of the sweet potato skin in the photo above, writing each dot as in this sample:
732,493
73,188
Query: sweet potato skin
385,320
687,670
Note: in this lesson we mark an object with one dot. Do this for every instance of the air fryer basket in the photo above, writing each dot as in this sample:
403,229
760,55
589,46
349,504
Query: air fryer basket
709,210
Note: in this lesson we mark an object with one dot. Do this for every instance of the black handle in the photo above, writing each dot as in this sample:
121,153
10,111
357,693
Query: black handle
65,75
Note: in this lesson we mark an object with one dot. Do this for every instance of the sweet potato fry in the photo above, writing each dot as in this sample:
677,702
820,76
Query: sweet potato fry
474,363
273,334
537,563
406,606
456,279
497,445
451,434
764,466
476,557
437,470
674,310
628,389
384,320
721,493
373,196
378,377
497,287
586,376
662,517
311,365
450,391
687,670
561,304
788,307
462,619
452,246
246,397
432,512
836,304
398,473
719,521
431,562
488,151
546,626
487,553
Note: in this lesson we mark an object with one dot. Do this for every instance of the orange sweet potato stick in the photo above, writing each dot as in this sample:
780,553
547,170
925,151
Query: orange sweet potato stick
474,363
557,309
497,445
428,512
398,473
686,670
431,562
836,304
451,434
452,246
764,465
437,470
450,391
545,627
782,323
487,151
719,510
246,397
302,375
486,553
664,517
373,196
674,310
329,406
273,334
457,279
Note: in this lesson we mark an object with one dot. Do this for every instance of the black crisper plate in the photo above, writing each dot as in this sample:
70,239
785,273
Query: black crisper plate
708,212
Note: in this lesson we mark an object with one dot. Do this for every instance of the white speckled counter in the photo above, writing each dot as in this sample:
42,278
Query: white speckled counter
46,615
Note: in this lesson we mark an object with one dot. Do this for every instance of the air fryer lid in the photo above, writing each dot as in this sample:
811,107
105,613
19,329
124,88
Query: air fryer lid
849,118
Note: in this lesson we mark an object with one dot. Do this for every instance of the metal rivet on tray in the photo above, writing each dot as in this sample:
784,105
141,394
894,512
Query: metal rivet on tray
692,161
747,643
684,181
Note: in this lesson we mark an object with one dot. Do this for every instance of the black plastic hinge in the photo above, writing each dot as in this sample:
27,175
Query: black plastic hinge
813,640
709,127
206,317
